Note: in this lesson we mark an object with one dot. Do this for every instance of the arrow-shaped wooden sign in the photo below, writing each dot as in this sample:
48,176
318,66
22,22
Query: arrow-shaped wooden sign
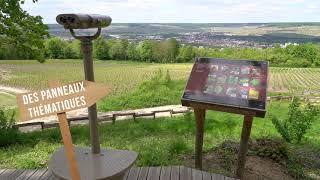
59,99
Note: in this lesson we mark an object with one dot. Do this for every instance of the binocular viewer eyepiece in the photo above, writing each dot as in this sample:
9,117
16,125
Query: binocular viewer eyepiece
83,21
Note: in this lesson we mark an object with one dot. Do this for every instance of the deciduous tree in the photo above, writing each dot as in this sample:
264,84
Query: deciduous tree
25,32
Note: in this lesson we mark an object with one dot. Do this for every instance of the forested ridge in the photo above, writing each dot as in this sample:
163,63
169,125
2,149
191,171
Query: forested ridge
23,36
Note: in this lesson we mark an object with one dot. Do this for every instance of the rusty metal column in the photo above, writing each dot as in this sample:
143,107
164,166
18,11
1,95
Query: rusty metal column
86,46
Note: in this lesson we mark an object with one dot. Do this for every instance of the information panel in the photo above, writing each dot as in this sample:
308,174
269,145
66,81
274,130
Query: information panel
232,83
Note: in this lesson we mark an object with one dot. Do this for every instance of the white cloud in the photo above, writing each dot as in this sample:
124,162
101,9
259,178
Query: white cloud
183,10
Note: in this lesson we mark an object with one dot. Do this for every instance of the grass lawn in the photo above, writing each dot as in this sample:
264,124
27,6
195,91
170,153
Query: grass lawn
152,139
7,100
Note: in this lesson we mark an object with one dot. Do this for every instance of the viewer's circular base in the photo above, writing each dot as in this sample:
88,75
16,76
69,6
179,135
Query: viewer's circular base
108,165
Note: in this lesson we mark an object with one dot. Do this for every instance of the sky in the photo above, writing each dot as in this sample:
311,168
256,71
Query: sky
182,11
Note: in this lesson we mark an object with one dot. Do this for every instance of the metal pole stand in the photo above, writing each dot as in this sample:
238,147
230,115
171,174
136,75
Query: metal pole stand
86,47
97,164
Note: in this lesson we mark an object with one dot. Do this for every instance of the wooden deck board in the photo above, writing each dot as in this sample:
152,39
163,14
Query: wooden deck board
26,174
143,173
16,173
6,174
175,174
185,173
229,178
217,177
196,174
135,173
206,175
165,172
37,174
47,175
126,175
1,170
154,173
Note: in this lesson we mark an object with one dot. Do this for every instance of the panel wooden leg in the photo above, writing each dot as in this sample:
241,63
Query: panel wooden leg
245,135
200,118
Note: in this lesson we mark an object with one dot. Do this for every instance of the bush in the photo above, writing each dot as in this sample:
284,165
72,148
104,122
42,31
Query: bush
300,119
8,134
101,49
274,149
7,119
55,48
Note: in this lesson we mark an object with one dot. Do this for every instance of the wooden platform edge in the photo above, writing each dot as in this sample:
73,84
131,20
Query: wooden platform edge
135,173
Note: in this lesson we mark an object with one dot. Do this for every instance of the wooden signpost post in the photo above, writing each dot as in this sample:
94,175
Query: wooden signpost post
237,86
57,100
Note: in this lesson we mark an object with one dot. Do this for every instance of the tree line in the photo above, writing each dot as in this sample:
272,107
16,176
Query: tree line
168,51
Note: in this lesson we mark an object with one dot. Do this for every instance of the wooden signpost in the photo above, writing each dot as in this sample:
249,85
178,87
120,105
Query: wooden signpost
57,100
233,86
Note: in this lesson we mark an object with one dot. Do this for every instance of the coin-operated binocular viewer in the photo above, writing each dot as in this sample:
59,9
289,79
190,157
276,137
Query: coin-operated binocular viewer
95,163
85,21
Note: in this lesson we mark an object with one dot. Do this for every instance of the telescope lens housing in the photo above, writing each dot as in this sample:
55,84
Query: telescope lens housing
83,21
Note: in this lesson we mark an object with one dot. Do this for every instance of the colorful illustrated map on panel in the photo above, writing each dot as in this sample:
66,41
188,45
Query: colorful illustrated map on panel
228,82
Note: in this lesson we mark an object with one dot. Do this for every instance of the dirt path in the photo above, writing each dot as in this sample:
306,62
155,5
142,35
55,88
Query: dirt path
12,90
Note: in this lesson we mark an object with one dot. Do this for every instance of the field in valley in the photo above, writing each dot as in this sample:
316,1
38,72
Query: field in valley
123,77
294,80
126,81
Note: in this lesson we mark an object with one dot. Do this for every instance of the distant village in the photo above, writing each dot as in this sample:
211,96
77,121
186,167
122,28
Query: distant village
197,39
